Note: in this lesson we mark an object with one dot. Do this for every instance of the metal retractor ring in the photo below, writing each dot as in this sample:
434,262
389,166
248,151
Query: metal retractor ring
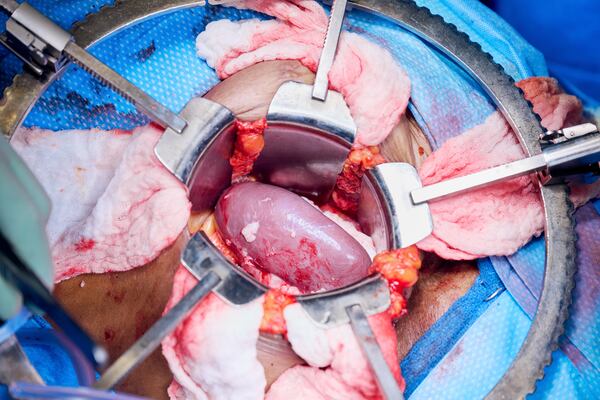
552,311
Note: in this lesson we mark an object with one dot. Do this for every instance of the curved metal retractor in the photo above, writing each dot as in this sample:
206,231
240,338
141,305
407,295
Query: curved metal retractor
548,324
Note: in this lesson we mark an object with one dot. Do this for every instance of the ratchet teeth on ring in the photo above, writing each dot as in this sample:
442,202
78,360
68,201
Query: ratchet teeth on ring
527,368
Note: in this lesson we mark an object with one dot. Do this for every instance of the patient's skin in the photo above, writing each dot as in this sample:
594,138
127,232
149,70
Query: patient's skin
116,308
441,283
249,92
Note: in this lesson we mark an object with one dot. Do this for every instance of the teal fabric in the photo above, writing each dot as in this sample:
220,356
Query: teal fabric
443,336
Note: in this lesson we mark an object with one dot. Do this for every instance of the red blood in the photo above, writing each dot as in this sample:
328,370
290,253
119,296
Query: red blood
85,244
156,126
309,247
264,276
117,296
75,270
125,132
109,335
248,145
347,187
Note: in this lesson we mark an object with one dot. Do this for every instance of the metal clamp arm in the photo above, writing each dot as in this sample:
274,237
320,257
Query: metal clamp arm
9,5
42,45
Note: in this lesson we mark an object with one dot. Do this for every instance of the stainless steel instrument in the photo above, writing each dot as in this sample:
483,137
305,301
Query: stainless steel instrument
351,305
36,294
326,109
206,145
42,45
316,105
557,160
214,273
